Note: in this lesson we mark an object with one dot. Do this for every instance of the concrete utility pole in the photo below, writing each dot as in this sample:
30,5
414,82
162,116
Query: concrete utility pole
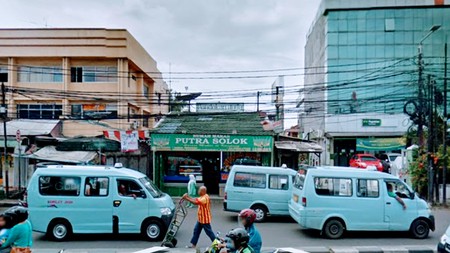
444,173
3,113
430,140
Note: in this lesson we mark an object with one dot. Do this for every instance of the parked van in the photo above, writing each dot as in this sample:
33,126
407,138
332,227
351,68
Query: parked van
90,199
266,190
336,199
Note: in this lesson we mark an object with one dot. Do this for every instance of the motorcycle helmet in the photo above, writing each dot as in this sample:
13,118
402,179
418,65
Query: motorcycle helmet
239,237
21,214
249,215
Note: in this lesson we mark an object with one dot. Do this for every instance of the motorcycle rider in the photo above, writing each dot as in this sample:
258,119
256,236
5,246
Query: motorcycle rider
247,218
237,241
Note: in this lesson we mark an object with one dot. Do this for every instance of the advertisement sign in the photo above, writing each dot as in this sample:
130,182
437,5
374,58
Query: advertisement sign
371,122
380,144
129,141
230,143
219,107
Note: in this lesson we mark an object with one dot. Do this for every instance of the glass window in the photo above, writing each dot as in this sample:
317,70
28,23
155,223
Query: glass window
99,74
129,188
361,25
39,74
332,38
368,188
342,25
279,182
351,38
146,91
39,111
333,52
399,189
94,111
251,180
333,186
151,187
96,186
371,24
59,186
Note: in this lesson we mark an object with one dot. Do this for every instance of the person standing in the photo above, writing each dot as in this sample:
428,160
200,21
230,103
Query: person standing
20,238
192,189
204,216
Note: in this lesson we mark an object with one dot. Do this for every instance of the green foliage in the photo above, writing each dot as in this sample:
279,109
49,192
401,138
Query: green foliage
418,173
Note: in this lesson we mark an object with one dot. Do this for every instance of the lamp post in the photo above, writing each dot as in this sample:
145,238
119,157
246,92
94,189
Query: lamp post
420,93
3,113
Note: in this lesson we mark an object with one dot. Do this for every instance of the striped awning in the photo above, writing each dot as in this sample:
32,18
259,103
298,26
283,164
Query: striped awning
115,135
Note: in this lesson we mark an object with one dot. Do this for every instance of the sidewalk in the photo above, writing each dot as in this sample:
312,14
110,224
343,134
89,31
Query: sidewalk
375,249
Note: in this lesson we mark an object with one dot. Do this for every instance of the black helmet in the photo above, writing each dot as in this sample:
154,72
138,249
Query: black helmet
239,236
21,213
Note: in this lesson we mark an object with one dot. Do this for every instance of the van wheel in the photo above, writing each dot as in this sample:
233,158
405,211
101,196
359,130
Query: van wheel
420,229
153,230
261,213
59,230
334,229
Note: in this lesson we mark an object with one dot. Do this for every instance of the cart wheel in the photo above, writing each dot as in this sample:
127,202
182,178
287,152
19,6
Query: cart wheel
168,245
174,242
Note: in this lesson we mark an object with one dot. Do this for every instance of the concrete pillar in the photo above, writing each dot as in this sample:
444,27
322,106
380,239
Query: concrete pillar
66,85
122,87
12,81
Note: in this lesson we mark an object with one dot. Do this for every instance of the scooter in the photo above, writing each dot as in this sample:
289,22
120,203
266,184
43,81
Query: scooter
216,245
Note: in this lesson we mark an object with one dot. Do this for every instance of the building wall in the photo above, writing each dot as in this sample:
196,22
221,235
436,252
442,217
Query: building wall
115,70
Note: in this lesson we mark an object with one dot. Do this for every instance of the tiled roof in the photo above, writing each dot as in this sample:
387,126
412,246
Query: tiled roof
212,123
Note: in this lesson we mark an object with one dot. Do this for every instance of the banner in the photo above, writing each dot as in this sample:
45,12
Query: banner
129,141
230,143
380,144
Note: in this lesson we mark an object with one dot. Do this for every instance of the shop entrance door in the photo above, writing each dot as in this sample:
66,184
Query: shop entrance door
211,171
344,149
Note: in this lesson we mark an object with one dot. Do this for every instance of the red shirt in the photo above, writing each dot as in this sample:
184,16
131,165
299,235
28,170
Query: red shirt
204,209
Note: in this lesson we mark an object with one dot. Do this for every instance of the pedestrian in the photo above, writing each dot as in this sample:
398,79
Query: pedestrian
237,241
204,216
192,189
248,217
20,238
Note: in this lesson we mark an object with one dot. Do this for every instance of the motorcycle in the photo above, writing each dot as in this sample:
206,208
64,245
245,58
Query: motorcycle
216,245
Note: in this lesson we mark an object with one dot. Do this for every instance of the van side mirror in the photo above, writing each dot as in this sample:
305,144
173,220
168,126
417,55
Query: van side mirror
412,195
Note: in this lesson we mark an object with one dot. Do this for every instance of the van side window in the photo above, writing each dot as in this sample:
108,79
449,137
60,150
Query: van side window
279,182
333,186
59,186
368,188
250,180
96,186
128,188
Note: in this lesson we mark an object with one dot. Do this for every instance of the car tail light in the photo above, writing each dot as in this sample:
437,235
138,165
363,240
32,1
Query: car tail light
304,201
225,196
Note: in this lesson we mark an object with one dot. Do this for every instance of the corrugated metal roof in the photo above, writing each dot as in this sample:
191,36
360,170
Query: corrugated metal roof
302,147
30,127
50,153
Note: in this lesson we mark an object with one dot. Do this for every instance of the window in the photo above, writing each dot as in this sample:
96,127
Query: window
368,158
333,186
39,74
250,180
368,188
99,74
39,111
399,188
94,111
128,188
151,187
59,186
279,182
146,119
96,186
146,91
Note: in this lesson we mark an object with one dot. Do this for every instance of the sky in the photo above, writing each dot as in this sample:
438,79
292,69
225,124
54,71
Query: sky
195,36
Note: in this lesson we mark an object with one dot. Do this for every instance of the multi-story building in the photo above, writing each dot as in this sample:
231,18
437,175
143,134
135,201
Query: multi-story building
361,60
91,79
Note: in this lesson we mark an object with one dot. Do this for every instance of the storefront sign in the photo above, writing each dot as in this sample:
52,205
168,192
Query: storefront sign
380,144
129,141
219,107
184,142
371,122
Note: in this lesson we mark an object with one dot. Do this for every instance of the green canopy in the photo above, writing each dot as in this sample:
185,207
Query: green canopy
380,144
89,144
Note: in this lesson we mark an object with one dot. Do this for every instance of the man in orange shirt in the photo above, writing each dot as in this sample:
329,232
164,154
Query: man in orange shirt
204,216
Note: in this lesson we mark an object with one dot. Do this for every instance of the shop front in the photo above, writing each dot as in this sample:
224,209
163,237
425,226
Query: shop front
208,157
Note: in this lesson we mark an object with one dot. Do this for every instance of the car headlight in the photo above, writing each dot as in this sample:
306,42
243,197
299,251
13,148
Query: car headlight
166,211
444,239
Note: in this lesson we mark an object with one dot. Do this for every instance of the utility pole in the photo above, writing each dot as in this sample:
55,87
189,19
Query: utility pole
277,103
444,172
3,113
257,100
430,140
420,97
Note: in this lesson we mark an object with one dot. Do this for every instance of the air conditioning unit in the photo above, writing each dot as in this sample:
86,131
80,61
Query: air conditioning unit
135,125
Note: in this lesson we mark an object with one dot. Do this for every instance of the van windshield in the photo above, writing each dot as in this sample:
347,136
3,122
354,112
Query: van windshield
151,187
299,179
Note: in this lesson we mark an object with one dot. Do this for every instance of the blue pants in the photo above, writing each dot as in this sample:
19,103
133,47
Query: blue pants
198,229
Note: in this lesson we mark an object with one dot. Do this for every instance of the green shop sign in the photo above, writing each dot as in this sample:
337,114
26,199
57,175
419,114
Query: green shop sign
186,142
371,122
380,144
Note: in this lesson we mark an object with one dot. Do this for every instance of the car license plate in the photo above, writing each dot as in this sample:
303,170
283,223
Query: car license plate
295,198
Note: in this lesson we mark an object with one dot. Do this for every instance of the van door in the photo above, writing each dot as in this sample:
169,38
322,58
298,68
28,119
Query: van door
130,205
368,213
279,195
240,193
95,206
399,219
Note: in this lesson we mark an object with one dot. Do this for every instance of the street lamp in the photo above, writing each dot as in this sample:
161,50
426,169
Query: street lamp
433,29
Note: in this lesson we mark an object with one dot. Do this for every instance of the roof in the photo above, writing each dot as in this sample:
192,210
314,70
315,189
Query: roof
373,4
49,153
259,169
299,146
29,127
247,123
89,171
348,172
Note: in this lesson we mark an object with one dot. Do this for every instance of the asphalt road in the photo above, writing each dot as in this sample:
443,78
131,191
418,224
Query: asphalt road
276,232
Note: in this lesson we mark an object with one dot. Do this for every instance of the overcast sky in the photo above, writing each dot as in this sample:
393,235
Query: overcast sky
191,35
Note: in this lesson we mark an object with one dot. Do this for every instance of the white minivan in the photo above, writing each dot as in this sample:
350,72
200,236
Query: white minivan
91,199
338,199
266,190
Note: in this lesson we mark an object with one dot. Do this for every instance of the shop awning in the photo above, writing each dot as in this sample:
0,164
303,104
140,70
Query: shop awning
299,146
50,153
11,142
29,127
380,144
